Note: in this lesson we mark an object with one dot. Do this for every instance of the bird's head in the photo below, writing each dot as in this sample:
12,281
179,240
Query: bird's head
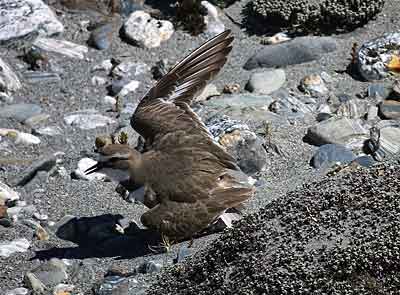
115,160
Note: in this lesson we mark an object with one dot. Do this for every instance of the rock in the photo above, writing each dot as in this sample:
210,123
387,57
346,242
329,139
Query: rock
20,137
106,65
353,108
21,18
34,77
248,150
45,163
390,109
4,97
275,39
159,69
9,81
289,105
18,291
7,248
98,81
341,131
372,114
62,47
214,25
313,84
5,221
36,120
84,164
130,67
110,101
20,111
144,31
113,285
87,119
131,86
378,91
47,131
233,88
149,267
385,139
376,57
266,82
117,85
209,91
49,274
330,154
323,116
101,37
63,289
365,161
21,210
7,194
299,50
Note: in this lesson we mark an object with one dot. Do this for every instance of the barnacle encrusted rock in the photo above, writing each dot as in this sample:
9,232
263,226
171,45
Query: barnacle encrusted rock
315,15
337,236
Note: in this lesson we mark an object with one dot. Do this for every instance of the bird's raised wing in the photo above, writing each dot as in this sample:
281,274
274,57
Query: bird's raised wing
165,108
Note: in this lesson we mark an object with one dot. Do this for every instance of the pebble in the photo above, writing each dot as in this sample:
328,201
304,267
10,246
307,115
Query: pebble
63,289
45,163
4,97
266,82
341,131
209,91
390,109
84,164
113,285
18,291
49,274
7,248
214,25
7,194
365,161
20,137
372,114
106,65
130,67
34,77
313,85
378,91
47,131
110,101
329,154
299,50
145,31
275,39
385,139
36,120
87,119
353,108
9,80
149,267
98,81
62,47
26,17
130,87
20,111
375,56
101,37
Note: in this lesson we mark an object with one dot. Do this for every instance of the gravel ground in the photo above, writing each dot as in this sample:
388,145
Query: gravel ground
58,197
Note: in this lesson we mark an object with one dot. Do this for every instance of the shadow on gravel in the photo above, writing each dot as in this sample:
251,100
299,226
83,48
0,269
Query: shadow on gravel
98,237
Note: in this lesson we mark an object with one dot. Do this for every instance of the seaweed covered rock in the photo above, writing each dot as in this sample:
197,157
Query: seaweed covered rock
336,236
313,15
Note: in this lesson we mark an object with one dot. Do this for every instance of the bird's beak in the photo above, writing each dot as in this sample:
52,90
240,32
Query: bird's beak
94,168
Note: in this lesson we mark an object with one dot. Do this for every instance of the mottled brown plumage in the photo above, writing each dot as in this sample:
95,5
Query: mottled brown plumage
193,178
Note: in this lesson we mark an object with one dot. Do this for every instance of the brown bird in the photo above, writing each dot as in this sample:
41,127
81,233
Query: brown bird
189,179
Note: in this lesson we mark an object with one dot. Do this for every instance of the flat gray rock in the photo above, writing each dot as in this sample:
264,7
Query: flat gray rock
20,111
267,81
299,50
20,18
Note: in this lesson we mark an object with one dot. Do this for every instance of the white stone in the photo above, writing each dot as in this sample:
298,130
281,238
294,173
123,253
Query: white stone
129,67
109,100
62,47
88,119
209,91
7,76
84,164
214,25
18,291
128,88
98,81
277,38
105,65
22,17
7,194
26,138
9,247
146,31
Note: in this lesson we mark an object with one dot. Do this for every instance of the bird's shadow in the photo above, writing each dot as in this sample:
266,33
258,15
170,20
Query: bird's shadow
97,237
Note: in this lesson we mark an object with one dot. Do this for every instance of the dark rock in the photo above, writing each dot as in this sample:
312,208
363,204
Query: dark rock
20,112
323,116
314,15
365,161
390,109
149,267
329,154
299,50
44,164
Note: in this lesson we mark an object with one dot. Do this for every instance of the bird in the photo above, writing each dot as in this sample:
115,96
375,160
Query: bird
189,179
